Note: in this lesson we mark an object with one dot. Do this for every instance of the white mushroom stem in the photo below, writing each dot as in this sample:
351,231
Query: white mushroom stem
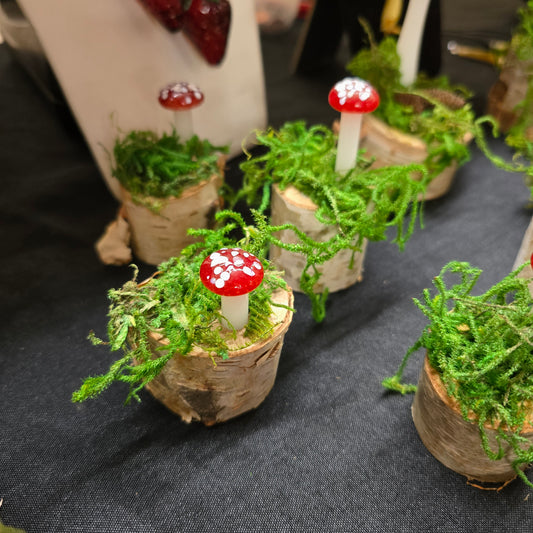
410,39
235,311
183,124
348,141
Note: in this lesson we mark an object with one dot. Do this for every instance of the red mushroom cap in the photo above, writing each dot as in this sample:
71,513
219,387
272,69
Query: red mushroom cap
231,272
353,95
180,96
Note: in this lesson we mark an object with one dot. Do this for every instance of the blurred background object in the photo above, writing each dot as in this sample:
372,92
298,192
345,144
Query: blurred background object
274,16
18,33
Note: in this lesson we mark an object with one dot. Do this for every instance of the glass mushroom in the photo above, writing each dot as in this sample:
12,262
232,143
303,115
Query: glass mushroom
410,39
232,273
181,98
352,97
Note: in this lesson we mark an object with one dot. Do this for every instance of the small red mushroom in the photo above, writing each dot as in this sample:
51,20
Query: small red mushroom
232,273
352,97
180,98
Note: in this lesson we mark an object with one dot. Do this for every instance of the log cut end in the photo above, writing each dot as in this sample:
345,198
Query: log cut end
452,440
195,388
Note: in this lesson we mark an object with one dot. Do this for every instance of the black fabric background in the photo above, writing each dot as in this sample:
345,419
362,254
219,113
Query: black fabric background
329,449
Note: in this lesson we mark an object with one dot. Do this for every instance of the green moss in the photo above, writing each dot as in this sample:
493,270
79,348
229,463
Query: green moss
482,347
522,38
159,167
304,157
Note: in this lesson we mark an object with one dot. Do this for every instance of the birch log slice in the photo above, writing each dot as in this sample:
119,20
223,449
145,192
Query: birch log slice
454,441
509,90
195,388
390,146
159,236
340,272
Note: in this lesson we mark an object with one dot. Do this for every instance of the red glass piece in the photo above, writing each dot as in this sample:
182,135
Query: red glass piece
353,95
231,272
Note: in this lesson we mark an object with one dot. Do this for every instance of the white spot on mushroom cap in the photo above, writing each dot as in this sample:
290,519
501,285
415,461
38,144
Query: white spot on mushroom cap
182,95
248,271
349,87
185,87
218,260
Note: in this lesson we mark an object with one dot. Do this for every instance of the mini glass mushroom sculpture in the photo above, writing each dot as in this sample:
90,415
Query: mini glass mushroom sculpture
352,97
410,39
232,273
181,98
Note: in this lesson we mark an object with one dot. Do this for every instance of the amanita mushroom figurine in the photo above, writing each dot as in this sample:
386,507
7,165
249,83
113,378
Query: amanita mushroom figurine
181,97
352,97
232,273
410,39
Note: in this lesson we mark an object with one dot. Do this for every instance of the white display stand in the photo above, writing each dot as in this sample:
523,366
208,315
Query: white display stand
111,58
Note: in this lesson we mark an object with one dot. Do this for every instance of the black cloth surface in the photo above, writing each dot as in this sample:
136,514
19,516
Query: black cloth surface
328,450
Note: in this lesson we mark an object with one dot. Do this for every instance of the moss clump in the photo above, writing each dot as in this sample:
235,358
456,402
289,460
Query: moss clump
149,165
522,38
304,157
362,203
482,347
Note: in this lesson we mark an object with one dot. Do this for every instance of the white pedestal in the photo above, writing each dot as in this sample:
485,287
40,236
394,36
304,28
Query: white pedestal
111,58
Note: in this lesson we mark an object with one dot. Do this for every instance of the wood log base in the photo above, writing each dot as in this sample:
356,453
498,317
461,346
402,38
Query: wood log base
508,91
390,146
340,272
452,440
156,237
195,388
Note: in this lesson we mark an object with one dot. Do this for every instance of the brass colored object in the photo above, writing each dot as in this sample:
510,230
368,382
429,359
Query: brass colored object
390,17
493,57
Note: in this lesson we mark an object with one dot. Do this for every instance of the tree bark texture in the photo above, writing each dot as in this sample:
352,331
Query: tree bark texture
390,146
157,237
454,441
291,206
197,388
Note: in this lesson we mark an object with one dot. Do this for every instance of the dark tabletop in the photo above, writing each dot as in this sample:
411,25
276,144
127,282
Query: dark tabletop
328,450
